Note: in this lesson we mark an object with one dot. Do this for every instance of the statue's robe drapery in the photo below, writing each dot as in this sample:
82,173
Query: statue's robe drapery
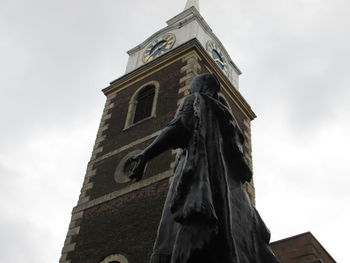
208,216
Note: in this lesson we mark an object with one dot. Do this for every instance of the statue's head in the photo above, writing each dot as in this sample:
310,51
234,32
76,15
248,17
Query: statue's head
206,83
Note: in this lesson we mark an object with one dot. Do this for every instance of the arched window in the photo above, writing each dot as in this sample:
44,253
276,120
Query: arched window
142,104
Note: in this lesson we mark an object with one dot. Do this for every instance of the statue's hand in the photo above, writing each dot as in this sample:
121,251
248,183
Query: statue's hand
137,171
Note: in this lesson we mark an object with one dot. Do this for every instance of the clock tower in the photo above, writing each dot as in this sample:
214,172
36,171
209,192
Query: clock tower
115,219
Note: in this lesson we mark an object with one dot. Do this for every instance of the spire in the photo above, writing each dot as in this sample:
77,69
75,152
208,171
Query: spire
191,3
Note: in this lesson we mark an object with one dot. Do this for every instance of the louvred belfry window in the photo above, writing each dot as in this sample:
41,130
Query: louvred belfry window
144,103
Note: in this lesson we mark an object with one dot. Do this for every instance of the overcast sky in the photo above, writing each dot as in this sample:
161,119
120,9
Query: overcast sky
56,56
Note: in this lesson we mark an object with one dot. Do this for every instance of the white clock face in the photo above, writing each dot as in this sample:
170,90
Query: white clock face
158,47
218,56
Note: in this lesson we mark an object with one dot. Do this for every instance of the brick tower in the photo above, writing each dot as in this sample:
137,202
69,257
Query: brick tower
116,219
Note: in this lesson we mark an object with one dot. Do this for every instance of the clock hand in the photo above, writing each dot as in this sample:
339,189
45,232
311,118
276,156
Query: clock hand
153,51
219,60
162,45
158,48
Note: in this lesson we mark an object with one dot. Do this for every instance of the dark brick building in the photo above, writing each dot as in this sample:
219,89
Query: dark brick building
115,219
302,248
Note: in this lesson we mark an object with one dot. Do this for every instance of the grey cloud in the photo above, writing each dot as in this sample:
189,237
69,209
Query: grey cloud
21,241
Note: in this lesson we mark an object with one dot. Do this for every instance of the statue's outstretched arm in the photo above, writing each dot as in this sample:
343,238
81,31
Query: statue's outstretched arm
175,135
168,138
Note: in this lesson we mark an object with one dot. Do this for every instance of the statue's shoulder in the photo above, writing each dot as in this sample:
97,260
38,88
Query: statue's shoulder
187,101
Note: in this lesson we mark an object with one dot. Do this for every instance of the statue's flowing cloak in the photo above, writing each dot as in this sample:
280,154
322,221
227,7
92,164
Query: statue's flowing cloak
207,215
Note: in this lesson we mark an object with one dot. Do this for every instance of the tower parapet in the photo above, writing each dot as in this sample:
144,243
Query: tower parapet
184,27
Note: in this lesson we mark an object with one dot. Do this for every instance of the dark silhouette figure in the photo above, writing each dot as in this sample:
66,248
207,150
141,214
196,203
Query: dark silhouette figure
207,216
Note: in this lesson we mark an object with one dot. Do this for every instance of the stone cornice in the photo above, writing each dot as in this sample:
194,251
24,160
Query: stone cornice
169,58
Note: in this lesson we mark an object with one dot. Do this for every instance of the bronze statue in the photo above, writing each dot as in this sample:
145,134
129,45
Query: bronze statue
207,216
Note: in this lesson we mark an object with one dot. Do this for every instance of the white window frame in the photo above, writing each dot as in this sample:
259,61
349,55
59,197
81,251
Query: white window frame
133,104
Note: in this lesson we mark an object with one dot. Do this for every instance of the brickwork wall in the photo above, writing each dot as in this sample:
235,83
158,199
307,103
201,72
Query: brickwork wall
122,218
111,145
116,136
302,248
126,225
105,183
84,197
